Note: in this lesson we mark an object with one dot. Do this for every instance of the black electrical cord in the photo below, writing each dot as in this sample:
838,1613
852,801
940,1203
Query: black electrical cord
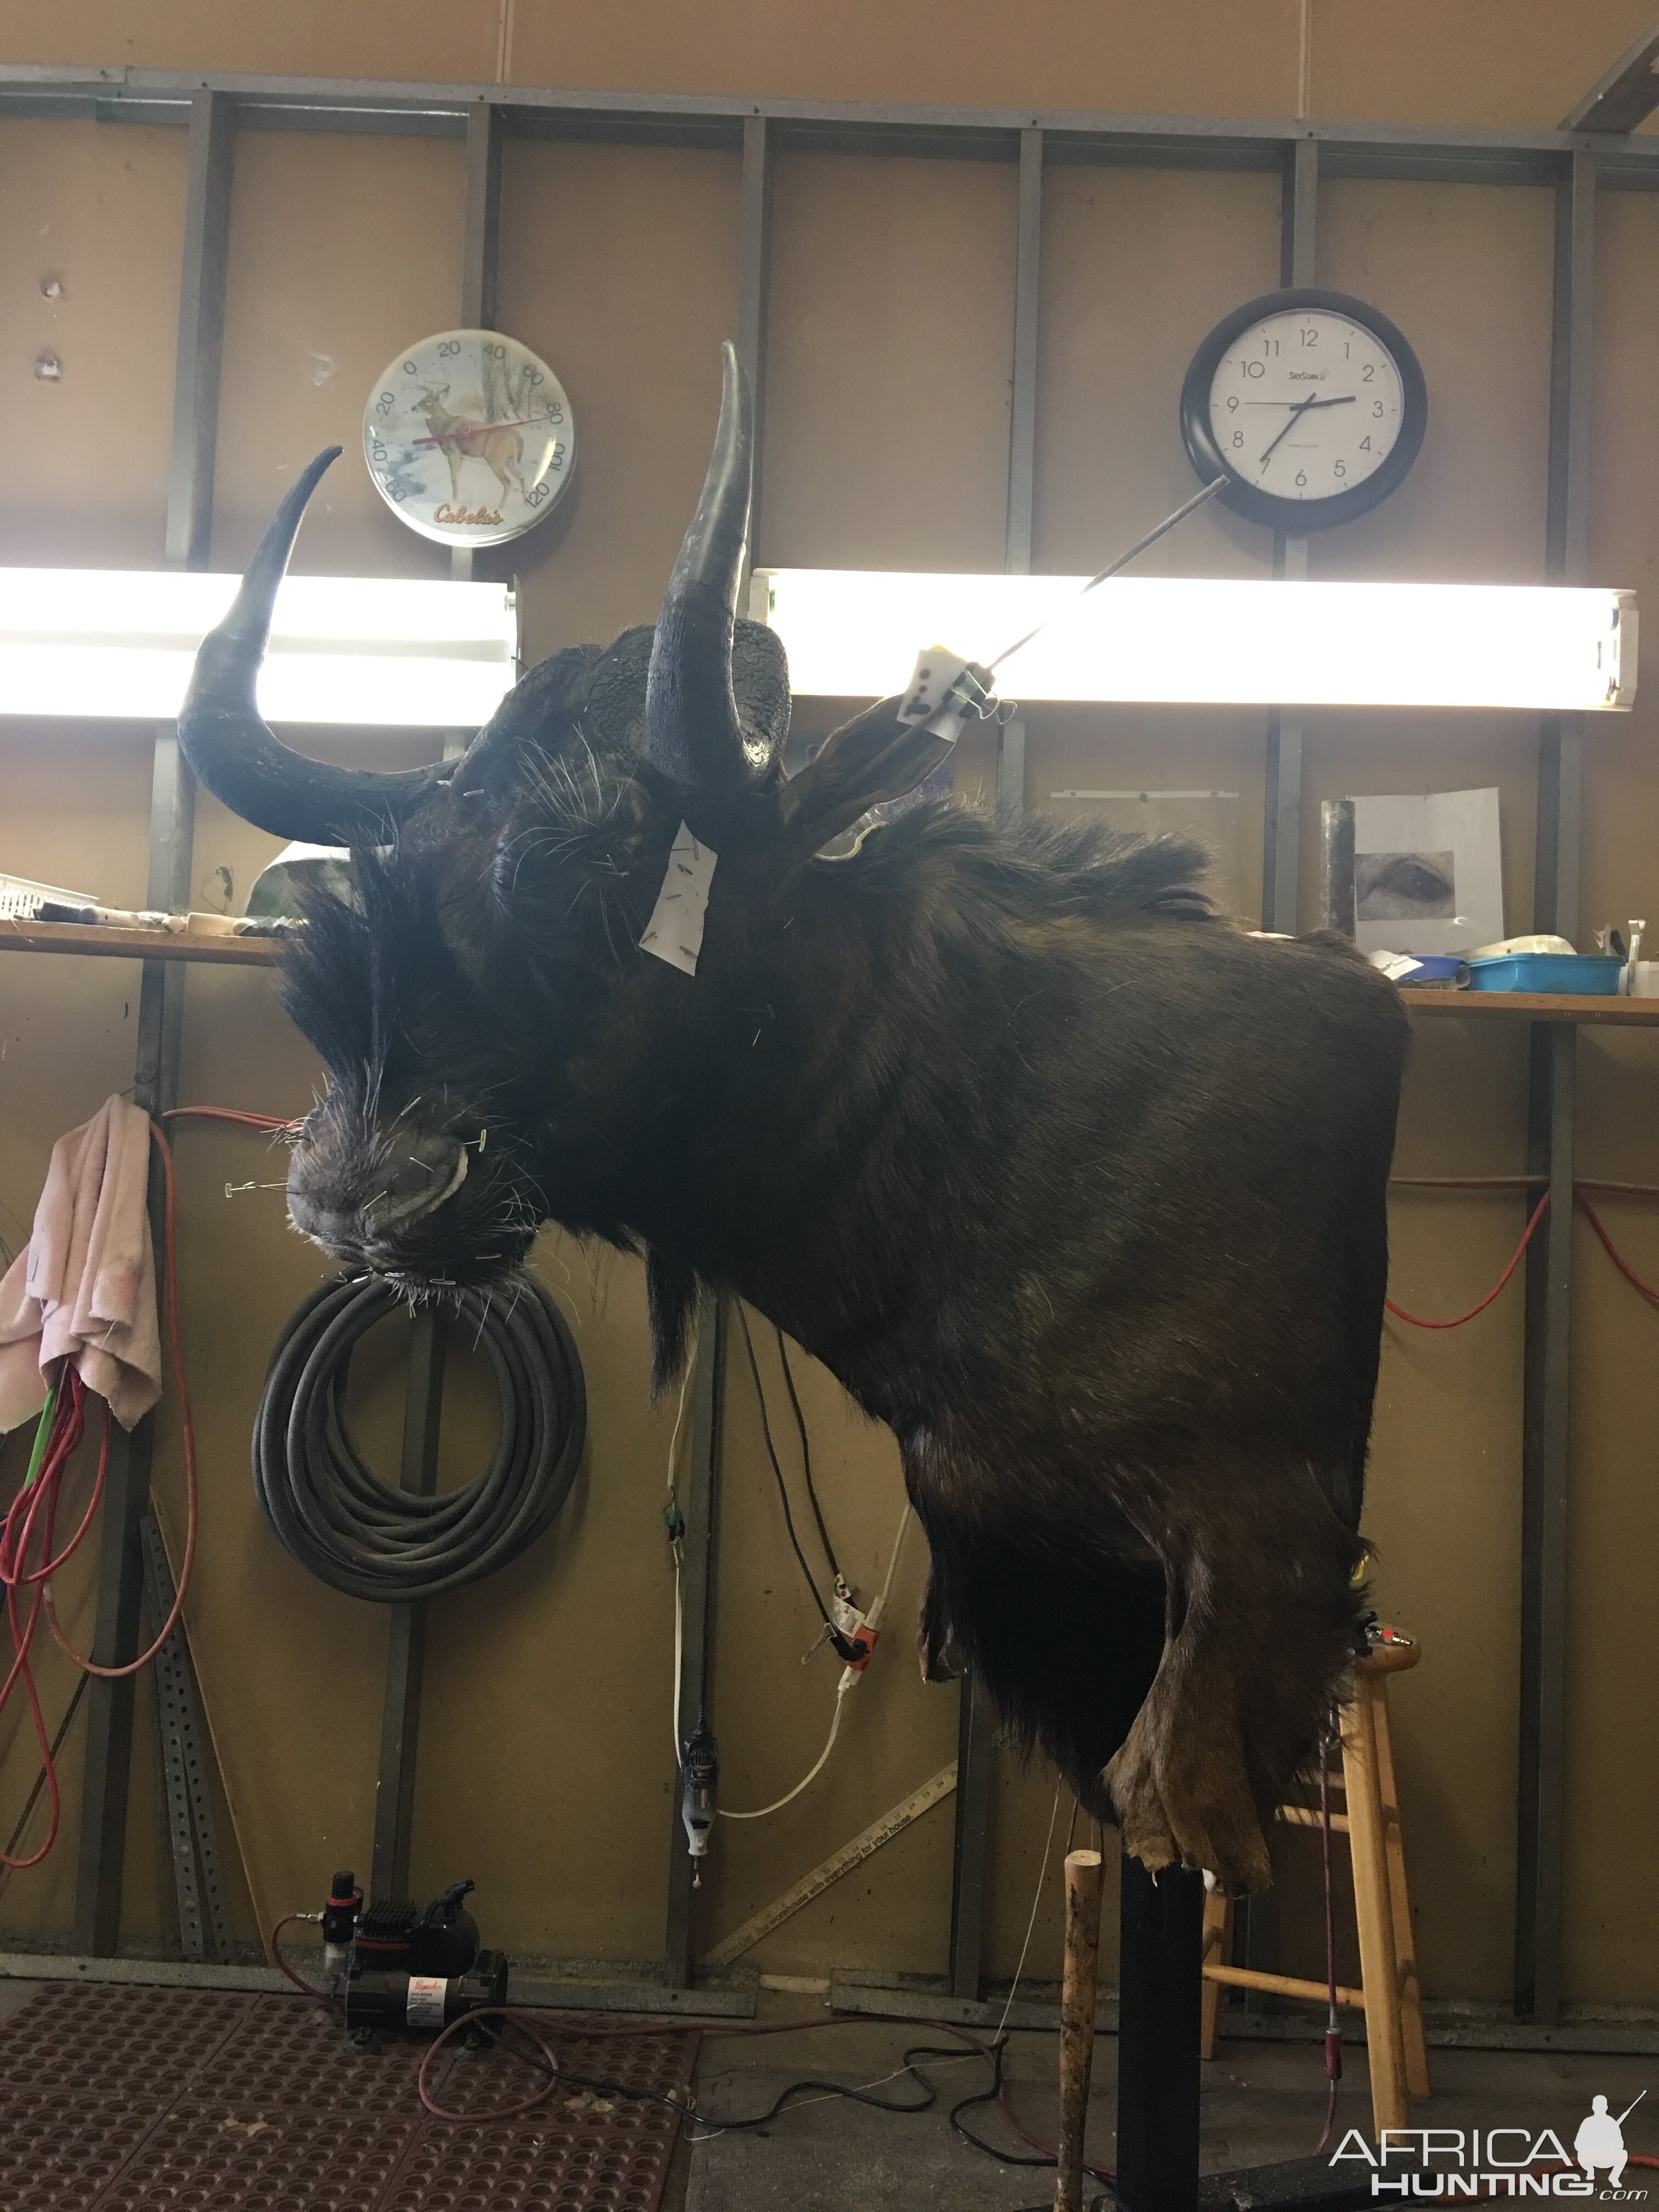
965,2045
998,2094
836,1638
780,2103
806,1455
908,2063
329,1508
994,2096
33,1798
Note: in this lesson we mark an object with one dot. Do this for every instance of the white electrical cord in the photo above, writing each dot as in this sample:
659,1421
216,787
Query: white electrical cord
873,1618
676,1544
849,1675
848,1679
1036,1899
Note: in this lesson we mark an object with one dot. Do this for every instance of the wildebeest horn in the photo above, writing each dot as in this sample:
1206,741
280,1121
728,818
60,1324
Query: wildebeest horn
235,754
693,729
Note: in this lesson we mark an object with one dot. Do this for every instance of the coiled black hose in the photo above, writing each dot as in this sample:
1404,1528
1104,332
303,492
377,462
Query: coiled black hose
328,1508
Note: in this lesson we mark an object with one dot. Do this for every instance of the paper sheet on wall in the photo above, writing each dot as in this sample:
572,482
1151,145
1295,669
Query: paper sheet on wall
1428,872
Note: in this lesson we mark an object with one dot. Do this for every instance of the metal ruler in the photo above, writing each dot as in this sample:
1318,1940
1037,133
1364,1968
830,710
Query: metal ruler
204,1923
830,1870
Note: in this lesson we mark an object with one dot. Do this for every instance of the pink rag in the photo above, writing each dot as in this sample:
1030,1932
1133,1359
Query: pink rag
85,1288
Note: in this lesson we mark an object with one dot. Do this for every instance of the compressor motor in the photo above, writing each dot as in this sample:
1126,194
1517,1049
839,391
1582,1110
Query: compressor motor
398,1969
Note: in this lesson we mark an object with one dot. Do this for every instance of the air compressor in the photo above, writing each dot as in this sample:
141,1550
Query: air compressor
399,1969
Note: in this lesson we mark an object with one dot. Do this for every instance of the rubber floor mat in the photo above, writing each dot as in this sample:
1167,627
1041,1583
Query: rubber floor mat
126,2099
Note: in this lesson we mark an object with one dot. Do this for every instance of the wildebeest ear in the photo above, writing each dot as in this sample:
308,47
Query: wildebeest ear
872,759
760,685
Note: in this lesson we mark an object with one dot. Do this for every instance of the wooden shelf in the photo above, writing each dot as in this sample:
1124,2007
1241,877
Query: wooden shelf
1535,1006
98,942
111,943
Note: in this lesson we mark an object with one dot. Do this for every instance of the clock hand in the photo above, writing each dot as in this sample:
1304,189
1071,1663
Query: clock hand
1302,408
1297,413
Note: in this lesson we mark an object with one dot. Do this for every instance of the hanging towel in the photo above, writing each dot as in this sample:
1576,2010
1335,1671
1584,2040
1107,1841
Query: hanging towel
85,1288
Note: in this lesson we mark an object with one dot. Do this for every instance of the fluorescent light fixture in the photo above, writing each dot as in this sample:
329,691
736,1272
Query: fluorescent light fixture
852,633
387,651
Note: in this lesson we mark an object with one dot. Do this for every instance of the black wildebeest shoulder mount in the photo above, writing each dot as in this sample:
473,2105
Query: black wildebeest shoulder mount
1077,1186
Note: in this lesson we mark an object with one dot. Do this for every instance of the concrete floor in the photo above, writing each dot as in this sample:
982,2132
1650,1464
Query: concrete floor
1262,2102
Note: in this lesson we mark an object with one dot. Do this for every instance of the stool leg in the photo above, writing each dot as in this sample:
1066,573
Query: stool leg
1217,1919
1379,1972
1405,1941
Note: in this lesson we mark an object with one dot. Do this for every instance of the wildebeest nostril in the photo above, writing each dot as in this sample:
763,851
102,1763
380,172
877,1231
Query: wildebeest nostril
420,1175
308,1215
416,1176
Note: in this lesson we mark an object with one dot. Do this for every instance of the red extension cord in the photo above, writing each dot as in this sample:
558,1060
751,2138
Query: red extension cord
1635,1281
29,1524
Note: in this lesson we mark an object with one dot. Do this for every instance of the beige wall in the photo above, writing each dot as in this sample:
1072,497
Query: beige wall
547,1769
1490,62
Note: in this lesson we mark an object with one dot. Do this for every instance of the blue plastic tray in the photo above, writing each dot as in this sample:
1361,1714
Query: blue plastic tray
1441,968
1578,975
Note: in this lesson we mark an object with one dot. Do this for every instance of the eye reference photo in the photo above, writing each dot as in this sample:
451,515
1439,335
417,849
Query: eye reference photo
1405,886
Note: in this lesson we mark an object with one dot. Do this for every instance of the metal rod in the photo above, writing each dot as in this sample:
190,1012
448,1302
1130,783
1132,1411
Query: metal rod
162,96
1115,568
977,1719
482,222
1281,832
209,158
976,1729
204,1930
1160,1951
1282,822
1023,394
754,259
1624,94
700,1503
102,1858
400,1712
480,225
110,1705
1022,439
1298,230
1552,1113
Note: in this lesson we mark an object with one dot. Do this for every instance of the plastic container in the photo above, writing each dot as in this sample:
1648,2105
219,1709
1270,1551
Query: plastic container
22,900
1574,975
1446,971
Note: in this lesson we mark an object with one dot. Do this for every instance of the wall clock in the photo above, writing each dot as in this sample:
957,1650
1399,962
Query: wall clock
469,438
1311,403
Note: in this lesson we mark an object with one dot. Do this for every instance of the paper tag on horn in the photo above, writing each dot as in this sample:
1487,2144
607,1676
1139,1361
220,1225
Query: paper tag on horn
674,932
943,691
928,691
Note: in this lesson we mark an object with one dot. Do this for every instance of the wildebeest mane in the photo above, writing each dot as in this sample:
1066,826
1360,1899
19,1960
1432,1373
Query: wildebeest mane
1034,868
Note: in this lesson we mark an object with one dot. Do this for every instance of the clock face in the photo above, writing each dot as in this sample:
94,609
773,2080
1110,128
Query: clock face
469,438
1312,405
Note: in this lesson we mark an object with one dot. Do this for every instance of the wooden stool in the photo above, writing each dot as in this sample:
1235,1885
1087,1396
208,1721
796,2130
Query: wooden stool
1390,1994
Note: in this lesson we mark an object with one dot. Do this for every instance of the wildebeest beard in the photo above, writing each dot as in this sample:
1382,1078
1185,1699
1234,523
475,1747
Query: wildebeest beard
1077,1187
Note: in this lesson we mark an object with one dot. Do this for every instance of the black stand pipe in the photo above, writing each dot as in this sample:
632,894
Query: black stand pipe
1160,1952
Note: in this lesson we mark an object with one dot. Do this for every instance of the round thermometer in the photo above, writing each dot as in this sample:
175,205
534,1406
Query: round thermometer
469,438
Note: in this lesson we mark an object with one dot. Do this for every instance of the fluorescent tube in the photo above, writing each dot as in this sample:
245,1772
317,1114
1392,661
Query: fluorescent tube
852,633
387,651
